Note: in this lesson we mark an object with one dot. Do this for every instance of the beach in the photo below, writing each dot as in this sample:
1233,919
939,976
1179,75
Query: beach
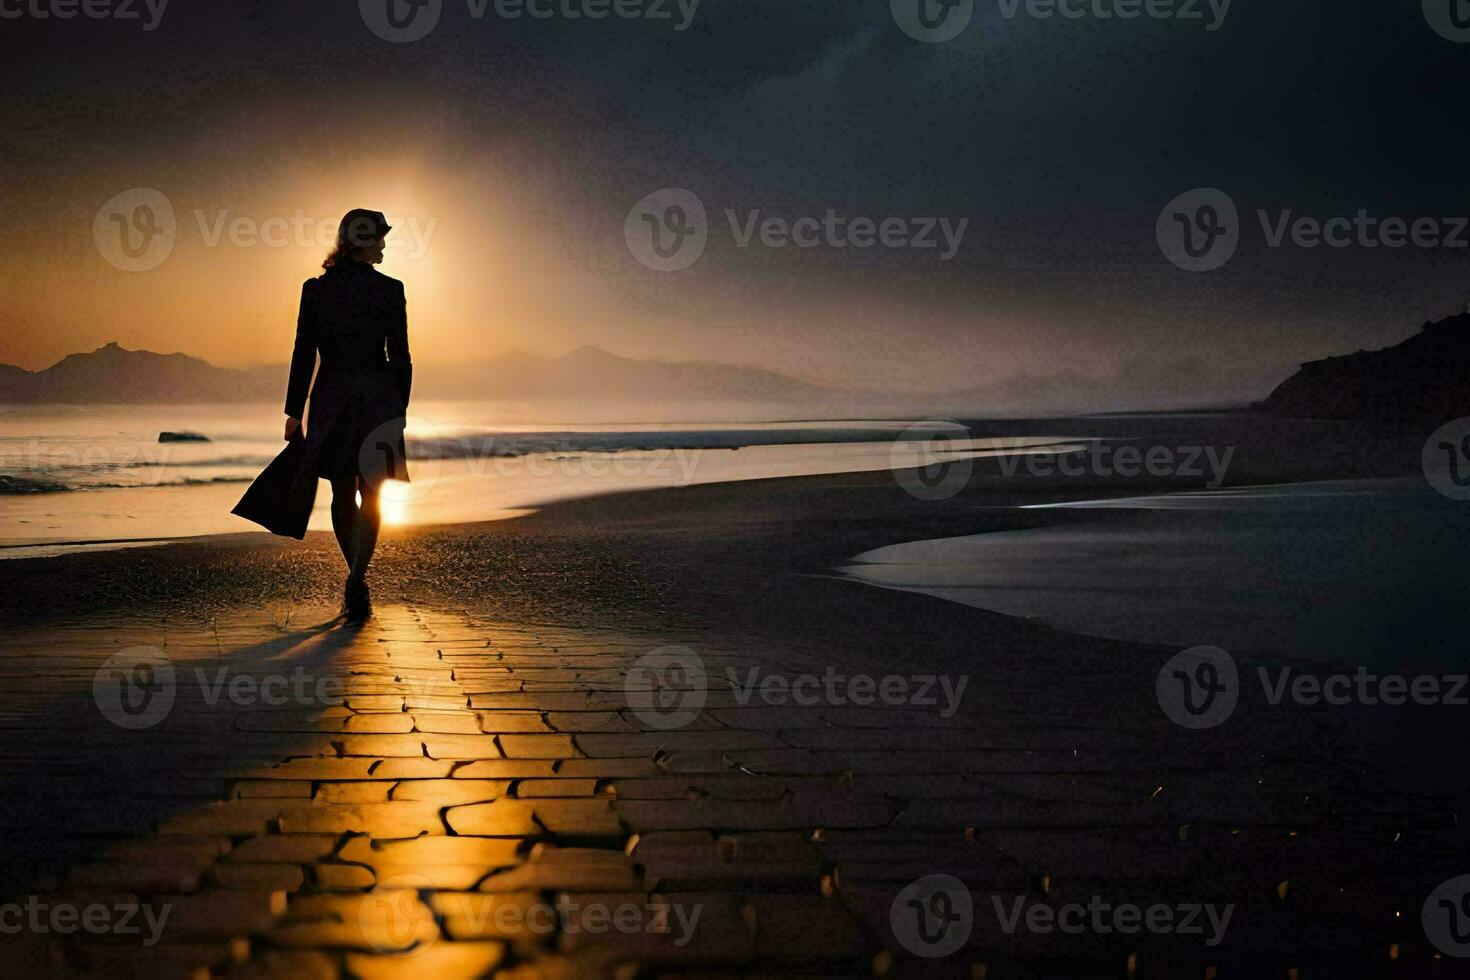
483,743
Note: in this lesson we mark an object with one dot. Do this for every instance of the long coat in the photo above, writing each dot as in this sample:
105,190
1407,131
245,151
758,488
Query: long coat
349,316
355,318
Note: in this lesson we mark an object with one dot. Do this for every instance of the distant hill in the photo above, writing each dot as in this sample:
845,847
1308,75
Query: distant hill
593,374
1162,382
115,375
1422,378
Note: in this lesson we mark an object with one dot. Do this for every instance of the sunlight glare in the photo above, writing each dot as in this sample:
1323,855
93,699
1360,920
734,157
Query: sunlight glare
393,502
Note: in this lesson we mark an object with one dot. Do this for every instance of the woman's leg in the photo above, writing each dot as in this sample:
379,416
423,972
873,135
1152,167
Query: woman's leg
344,515
369,516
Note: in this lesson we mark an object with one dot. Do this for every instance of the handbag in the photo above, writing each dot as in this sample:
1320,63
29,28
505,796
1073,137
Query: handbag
282,496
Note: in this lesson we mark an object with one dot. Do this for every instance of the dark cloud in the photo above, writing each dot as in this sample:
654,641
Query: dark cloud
1059,139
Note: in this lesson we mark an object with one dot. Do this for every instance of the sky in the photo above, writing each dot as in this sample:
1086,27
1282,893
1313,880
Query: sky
526,161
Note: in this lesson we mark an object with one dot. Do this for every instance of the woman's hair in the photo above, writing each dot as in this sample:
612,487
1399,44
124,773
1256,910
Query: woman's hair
358,228
338,253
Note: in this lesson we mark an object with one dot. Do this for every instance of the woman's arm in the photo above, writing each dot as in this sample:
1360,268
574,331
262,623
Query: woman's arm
303,358
398,356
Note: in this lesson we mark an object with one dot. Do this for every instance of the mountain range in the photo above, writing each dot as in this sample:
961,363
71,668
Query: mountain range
600,381
115,375
1421,377
593,374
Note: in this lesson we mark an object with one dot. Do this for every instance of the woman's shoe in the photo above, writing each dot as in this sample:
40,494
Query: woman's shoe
357,603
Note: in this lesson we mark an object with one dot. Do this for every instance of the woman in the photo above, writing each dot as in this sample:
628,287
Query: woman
355,318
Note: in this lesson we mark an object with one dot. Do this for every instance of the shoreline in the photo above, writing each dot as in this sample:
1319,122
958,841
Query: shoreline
646,551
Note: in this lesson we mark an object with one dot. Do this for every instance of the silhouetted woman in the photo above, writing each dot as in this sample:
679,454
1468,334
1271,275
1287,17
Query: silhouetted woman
355,318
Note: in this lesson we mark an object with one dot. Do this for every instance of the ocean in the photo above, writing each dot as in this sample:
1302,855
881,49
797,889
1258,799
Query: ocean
90,477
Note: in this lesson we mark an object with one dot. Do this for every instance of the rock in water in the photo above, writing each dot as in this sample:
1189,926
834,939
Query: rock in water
182,437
